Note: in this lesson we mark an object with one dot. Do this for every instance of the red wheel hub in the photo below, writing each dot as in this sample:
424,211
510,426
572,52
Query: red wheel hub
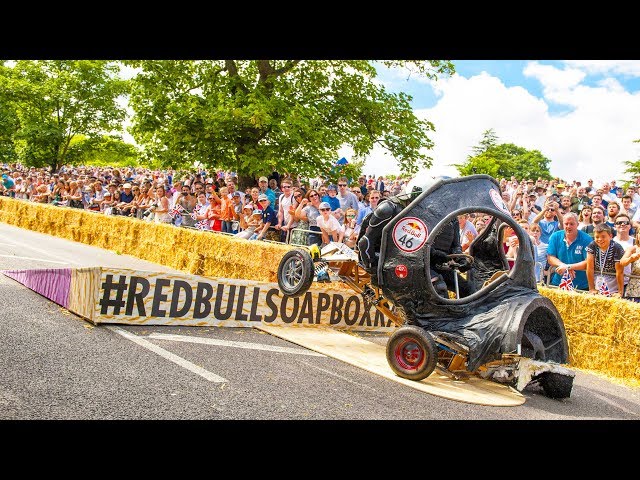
409,354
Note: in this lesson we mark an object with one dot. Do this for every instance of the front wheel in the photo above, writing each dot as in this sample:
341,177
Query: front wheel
295,272
412,353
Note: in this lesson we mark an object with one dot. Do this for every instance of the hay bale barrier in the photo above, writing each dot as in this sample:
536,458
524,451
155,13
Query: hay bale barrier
603,333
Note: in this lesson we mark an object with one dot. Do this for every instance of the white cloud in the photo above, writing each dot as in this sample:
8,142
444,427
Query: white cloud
591,139
622,67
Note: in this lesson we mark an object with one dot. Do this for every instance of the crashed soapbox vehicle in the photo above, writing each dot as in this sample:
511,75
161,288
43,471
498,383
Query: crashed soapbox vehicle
504,331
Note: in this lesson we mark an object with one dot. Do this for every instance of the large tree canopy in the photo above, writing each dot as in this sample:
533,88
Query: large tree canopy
55,100
254,117
504,160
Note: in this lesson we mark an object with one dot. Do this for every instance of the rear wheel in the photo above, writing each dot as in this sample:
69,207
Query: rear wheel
412,353
295,272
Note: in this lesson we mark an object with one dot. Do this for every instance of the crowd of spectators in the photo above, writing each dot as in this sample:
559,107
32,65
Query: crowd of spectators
585,237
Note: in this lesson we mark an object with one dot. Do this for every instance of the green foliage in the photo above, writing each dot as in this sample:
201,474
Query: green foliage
504,160
254,117
101,151
352,170
56,100
633,168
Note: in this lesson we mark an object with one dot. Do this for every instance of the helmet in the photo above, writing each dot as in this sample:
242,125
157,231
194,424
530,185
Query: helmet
418,184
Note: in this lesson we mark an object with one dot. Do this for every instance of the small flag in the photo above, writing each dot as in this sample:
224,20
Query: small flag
196,211
566,283
604,289
176,211
202,225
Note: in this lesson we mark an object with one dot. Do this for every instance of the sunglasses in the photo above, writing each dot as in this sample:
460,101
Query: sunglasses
342,184
298,196
263,200
286,186
313,195
622,223
325,209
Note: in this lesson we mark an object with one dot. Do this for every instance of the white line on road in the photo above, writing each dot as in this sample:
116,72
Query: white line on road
31,258
230,343
192,367
336,375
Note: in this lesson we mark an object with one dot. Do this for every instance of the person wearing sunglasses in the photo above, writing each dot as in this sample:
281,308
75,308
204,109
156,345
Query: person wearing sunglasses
347,198
331,229
625,239
308,211
285,202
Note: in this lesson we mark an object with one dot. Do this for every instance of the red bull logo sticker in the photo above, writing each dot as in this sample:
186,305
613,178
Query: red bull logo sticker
496,198
410,234
402,271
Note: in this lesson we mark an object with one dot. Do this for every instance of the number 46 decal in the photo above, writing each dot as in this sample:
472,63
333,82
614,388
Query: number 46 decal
410,234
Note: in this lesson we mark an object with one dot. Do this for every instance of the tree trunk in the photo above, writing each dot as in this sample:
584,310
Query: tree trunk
245,181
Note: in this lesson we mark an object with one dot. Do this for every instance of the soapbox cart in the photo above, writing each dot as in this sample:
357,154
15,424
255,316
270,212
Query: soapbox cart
505,330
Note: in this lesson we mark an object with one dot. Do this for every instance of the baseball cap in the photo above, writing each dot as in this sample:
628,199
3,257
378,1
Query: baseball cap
560,185
262,197
263,179
235,194
332,187
257,212
107,194
324,205
126,185
248,205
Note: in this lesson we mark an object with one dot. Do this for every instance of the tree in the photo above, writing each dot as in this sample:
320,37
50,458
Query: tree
254,117
633,168
9,122
101,151
504,160
56,100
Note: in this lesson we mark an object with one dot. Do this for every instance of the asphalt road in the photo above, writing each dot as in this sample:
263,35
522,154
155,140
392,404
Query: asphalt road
56,365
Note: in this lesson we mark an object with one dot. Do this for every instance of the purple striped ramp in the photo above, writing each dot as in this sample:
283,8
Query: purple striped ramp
52,283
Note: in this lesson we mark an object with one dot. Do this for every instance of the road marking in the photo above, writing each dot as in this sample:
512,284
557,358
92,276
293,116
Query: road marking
612,403
31,258
339,376
192,367
45,252
230,343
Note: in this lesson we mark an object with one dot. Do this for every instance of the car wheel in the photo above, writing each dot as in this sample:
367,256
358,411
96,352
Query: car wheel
295,272
412,353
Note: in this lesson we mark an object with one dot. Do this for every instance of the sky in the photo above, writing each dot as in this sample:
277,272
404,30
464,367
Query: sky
582,115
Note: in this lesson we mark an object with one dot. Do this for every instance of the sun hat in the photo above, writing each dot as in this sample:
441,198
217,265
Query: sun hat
324,205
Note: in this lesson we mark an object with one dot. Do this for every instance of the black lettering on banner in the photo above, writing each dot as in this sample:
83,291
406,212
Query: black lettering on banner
271,305
239,314
253,316
283,309
175,298
218,315
306,310
366,317
137,297
336,307
202,305
159,297
379,320
350,301
117,303
324,300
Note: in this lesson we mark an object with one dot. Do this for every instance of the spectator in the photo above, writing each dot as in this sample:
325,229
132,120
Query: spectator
567,251
263,187
42,195
597,217
252,222
565,204
374,200
584,217
236,205
331,197
308,210
550,220
628,206
631,259
579,201
613,209
188,202
623,237
73,197
605,273
329,226
350,227
467,231
161,208
362,186
269,218
298,235
273,185
285,202
108,203
124,206
539,252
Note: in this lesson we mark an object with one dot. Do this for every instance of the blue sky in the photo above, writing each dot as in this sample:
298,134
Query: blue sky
582,115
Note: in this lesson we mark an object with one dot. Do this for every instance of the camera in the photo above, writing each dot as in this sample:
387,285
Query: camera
149,210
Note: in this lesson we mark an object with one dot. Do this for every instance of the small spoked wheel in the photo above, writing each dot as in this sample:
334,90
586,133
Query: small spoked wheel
412,353
295,272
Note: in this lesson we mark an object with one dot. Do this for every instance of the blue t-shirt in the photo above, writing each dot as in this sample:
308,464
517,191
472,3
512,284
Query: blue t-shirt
334,202
574,253
547,229
269,215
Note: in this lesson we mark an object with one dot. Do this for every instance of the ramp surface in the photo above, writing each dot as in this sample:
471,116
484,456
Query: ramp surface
372,357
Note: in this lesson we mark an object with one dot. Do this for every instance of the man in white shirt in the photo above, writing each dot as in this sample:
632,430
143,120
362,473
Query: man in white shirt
347,198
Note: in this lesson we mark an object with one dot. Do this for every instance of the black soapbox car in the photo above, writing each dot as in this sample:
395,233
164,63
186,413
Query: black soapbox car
501,328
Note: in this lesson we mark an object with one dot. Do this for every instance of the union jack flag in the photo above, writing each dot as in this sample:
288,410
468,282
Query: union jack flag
196,211
604,289
202,225
175,211
566,283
